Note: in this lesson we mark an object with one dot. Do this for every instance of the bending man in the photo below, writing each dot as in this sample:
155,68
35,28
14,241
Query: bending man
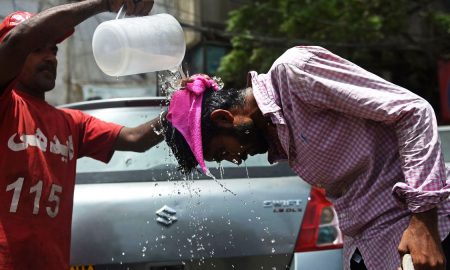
372,145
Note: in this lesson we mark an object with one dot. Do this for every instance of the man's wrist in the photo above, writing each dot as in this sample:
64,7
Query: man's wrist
430,214
427,218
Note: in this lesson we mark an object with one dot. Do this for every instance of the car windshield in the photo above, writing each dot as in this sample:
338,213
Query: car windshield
158,158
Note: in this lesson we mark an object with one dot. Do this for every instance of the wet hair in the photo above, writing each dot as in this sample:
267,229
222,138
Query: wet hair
225,99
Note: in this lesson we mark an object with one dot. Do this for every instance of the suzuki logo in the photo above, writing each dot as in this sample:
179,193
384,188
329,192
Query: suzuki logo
166,215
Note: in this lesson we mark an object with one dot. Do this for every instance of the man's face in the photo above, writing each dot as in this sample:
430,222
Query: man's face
39,71
235,144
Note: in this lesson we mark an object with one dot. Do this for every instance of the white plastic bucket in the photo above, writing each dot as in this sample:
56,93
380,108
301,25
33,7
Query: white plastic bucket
138,45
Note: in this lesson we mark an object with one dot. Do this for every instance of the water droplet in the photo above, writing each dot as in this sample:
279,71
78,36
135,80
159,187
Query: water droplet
219,82
158,132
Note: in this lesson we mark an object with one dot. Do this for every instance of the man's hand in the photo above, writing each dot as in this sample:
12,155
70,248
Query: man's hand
421,240
185,81
133,7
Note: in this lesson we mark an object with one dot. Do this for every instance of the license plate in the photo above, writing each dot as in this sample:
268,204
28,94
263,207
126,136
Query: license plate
82,267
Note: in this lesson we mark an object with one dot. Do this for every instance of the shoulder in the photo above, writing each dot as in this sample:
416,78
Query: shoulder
303,56
297,56
78,117
71,112
88,121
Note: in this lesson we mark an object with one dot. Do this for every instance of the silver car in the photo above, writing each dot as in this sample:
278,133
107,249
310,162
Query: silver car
444,133
139,212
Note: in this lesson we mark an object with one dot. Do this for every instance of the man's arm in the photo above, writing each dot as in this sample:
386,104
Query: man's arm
51,25
421,240
141,138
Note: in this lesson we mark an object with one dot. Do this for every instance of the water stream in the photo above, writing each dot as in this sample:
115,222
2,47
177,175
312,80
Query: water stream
170,81
196,244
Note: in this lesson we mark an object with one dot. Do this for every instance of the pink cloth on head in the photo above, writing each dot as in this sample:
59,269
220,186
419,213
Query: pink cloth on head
185,113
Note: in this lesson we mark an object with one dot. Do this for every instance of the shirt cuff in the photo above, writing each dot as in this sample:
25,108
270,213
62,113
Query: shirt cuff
418,200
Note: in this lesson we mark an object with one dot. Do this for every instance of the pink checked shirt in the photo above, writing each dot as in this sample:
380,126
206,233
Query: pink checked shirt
372,145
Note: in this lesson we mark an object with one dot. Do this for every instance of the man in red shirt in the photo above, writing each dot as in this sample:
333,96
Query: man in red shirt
39,144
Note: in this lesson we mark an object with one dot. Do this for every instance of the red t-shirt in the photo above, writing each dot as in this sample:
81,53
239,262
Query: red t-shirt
39,146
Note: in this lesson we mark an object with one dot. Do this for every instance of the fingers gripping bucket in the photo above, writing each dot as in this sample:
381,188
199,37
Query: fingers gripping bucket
138,45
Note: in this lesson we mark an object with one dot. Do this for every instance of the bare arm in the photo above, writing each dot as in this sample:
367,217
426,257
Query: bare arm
141,138
51,25
421,240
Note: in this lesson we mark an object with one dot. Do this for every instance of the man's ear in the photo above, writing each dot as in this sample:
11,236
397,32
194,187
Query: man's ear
222,118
